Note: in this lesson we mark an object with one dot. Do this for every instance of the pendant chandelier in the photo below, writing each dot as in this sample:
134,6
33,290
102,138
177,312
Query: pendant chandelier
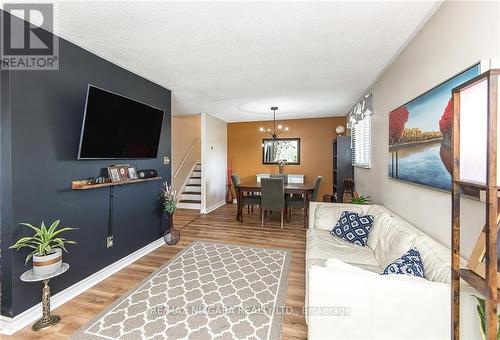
277,130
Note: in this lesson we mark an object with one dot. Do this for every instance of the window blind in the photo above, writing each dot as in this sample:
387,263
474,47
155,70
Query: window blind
361,142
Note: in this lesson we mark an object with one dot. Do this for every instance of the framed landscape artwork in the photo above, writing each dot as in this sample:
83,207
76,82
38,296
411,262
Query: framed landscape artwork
420,136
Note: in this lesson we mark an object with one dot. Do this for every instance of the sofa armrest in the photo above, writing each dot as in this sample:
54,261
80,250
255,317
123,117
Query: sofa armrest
345,304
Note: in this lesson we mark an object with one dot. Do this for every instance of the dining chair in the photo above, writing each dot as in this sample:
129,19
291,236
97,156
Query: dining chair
273,196
284,176
247,200
297,202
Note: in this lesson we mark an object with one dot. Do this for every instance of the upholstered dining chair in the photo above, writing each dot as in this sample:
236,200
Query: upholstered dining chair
297,202
273,196
284,176
248,200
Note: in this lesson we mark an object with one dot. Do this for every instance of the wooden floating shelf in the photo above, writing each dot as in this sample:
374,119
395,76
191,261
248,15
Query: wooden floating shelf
474,280
83,184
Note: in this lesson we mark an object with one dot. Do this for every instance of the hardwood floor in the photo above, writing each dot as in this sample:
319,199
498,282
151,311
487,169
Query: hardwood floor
221,226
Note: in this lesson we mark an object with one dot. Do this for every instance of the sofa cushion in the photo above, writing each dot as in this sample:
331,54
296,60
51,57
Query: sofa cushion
321,245
353,227
337,264
372,268
408,264
380,215
326,215
393,242
436,258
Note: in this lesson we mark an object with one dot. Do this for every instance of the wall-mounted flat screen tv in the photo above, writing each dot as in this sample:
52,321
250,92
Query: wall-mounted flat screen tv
117,127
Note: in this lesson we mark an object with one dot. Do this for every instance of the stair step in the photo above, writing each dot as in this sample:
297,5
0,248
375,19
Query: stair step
189,201
193,185
195,177
191,192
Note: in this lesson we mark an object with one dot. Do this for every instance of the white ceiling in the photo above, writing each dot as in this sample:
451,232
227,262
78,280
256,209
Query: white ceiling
234,60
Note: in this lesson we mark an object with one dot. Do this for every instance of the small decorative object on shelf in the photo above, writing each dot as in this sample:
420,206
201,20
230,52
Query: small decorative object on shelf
357,198
328,198
122,173
132,173
169,201
340,130
114,174
281,165
46,247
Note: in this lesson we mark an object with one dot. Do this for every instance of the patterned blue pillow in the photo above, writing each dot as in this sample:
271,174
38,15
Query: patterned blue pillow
353,227
408,264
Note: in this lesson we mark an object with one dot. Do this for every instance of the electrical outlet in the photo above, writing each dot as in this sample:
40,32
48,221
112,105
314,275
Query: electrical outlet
109,241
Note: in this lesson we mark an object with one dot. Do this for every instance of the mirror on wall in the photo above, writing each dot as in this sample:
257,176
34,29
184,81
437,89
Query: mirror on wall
274,150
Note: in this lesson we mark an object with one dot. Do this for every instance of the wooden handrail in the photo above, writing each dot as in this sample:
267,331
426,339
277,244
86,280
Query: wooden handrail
195,143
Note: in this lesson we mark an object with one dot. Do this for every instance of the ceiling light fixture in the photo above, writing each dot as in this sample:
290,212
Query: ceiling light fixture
276,131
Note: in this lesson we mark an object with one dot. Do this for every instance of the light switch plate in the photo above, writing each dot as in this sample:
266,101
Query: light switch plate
166,160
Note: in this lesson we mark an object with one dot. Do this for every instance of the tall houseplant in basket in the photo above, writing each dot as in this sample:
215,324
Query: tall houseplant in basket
169,202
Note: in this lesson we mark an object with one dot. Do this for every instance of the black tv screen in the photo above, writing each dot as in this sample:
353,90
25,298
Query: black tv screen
117,127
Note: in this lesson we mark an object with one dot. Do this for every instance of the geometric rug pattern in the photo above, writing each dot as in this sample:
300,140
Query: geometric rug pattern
207,291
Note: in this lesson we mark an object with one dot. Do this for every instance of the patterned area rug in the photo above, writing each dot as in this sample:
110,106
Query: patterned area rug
207,291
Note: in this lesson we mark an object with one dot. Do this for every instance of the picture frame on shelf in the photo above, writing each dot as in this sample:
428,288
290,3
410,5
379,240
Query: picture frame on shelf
132,173
114,174
123,171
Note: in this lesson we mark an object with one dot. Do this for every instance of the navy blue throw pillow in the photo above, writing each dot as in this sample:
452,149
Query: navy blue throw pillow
353,227
410,263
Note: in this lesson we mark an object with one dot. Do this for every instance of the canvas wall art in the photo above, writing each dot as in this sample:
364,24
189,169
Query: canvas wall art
420,136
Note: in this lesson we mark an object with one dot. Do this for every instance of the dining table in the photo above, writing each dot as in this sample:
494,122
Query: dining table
304,189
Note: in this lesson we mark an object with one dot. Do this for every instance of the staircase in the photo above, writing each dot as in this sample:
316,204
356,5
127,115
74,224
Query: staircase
191,192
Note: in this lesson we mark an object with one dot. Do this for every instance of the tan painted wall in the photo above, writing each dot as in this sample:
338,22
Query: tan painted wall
244,142
458,35
185,131
213,162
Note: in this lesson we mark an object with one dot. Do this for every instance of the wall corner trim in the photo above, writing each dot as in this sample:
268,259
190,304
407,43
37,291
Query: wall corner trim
9,326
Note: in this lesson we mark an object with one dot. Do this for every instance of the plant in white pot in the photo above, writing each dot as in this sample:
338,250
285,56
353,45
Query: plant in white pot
46,247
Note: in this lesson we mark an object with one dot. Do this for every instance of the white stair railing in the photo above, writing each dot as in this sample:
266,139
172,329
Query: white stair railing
183,172
193,146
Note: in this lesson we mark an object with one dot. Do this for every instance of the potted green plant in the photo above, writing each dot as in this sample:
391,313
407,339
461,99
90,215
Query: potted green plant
481,312
46,247
169,201
357,198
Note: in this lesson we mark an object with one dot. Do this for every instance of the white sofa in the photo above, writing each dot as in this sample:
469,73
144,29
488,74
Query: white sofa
347,298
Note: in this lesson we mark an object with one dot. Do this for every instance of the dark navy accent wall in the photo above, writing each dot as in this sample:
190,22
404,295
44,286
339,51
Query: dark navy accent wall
41,118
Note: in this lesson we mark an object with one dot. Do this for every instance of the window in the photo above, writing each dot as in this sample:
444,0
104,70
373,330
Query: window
361,142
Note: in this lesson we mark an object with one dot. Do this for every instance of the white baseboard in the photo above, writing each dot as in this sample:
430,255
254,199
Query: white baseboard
213,207
9,326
